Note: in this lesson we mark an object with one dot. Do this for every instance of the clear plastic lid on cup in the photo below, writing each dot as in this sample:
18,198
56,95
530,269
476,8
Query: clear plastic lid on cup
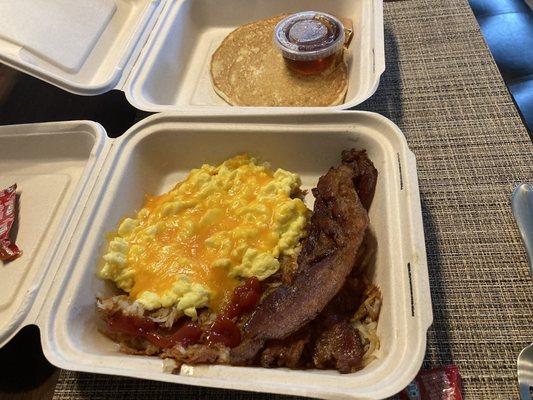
309,36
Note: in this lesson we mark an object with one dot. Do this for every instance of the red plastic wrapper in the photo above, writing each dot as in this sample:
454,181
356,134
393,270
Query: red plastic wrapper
443,383
8,213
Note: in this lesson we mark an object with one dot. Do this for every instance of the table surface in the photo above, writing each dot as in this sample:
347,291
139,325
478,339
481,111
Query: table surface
444,91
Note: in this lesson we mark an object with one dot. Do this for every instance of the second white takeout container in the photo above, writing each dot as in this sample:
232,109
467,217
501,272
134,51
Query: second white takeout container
158,51
76,184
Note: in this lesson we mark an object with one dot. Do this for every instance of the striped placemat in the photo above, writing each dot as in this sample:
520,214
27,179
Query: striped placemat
443,89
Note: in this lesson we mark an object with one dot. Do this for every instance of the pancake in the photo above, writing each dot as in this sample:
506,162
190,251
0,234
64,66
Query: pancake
248,70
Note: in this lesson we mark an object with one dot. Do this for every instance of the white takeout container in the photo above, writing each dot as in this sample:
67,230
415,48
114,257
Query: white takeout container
158,51
76,184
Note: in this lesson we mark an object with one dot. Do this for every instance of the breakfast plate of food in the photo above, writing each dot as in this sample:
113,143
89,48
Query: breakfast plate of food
277,56
196,54
278,254
287,60
230,267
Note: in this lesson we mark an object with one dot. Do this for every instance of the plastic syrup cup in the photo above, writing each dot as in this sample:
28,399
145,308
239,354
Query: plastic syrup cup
309,41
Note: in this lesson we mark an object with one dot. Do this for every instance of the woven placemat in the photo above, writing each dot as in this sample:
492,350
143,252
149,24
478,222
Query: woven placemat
445,92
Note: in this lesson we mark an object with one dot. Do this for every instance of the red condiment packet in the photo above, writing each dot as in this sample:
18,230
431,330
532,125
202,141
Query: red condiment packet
442,383
8,213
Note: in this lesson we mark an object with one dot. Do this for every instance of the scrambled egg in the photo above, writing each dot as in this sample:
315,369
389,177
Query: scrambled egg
189,248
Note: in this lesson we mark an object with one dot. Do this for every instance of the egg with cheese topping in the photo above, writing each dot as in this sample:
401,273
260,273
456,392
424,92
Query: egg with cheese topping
189,248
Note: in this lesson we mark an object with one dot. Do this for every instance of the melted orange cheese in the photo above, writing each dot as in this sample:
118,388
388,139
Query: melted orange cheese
203,227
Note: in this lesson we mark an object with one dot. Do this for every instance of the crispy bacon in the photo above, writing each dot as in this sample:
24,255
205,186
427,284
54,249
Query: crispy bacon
337,228
338,346
365,174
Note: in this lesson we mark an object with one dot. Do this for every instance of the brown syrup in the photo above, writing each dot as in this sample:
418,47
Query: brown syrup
310,67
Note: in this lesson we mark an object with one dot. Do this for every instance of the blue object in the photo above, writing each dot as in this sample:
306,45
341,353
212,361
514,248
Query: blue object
507,26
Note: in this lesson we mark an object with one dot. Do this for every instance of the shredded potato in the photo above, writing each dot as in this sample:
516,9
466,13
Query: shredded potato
366,321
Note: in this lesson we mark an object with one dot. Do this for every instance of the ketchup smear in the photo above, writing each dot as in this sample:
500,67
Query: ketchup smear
244,298
224,330
185,335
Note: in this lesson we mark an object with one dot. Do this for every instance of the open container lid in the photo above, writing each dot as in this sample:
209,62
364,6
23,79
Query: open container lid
54,165
82,47
158,51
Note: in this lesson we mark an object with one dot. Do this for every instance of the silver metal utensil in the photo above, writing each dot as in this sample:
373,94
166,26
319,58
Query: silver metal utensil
525,373
522,205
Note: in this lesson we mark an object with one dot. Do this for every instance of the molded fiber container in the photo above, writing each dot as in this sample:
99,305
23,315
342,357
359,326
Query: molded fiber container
158,51
76,184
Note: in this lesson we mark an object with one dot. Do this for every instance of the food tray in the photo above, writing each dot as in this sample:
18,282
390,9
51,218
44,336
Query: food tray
104,179
158,51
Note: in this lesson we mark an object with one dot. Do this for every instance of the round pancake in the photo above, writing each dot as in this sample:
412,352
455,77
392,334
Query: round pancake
248,70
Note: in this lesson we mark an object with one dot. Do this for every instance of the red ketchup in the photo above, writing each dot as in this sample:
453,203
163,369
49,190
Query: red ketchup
185,335
224,330
8,203
135,326
244,298
442,383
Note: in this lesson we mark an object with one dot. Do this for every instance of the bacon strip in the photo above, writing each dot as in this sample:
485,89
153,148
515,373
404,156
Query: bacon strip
337,228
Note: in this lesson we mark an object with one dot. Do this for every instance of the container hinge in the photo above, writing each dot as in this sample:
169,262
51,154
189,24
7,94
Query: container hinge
143,38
